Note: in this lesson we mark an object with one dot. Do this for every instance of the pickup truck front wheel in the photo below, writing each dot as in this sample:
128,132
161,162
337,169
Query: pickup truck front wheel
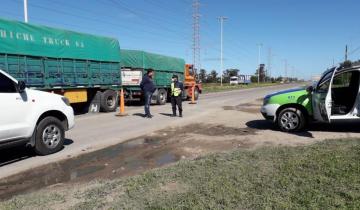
49,136
291,120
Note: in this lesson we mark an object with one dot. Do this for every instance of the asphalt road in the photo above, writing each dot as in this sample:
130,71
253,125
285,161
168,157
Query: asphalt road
96,131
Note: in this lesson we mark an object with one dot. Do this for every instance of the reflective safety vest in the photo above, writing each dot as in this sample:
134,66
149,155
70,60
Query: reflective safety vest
175,91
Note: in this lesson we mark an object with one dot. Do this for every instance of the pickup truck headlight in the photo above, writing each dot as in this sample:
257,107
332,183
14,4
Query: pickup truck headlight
66,101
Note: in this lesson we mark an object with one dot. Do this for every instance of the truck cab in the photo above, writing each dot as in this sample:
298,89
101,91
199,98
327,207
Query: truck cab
334,97
191,82
234,80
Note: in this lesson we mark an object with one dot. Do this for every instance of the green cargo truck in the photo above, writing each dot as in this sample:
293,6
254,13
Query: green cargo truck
84,68
135,63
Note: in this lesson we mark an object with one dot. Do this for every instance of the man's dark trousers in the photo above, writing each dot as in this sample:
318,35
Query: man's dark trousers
148,96
176,101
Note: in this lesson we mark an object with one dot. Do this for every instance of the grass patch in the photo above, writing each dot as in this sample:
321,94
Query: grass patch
216,87
325,175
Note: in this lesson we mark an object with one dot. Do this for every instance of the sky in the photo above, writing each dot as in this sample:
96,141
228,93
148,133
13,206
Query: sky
308,35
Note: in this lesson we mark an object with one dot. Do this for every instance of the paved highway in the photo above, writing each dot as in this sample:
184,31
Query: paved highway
96,131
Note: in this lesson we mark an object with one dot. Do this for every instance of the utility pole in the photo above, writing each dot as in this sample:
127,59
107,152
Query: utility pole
196,36
268,71
286,66
222,19
26,11
259,61
346,53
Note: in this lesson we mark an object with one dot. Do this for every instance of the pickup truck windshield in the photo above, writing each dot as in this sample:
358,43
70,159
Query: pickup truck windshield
6,85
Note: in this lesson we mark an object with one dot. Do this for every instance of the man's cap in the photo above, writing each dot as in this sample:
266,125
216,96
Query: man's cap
175,76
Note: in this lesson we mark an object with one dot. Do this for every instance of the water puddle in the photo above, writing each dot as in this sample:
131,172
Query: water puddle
253,107
129,158
125,159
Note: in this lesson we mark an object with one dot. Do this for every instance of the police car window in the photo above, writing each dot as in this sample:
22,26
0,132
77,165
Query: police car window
6,85
342,80
324,82
324,87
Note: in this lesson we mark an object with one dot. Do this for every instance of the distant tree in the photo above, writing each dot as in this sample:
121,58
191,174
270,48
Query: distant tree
254,79
202,75
212,77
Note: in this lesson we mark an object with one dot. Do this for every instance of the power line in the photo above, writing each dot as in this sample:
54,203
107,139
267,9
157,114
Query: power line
259,60
268,71
122,27
285,67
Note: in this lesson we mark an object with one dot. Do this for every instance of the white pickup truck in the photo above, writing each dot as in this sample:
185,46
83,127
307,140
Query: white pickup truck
31,117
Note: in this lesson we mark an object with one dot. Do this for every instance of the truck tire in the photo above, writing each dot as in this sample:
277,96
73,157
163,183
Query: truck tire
49,136
291,120
196,93
161,97
108,101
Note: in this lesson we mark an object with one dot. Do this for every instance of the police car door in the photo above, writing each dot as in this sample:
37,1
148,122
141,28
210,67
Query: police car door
322,99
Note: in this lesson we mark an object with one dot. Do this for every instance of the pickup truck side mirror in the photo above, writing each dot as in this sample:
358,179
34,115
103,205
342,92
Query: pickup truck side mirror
310,89
21,86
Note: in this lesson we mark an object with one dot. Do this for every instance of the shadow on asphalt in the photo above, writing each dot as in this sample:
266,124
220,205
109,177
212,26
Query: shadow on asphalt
167,114
335,127
19,153
139,115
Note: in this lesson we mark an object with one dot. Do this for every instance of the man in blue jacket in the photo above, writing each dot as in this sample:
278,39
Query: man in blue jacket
148,88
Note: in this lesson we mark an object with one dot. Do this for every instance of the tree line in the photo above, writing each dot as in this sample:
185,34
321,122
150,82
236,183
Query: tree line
214,77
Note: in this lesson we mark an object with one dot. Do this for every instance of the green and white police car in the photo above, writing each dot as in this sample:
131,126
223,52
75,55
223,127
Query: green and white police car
334,97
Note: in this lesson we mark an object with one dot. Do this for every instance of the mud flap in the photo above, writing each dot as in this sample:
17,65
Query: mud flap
94,105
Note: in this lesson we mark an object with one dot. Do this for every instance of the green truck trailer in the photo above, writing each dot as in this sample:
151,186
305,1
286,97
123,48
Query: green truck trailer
84,68
135,63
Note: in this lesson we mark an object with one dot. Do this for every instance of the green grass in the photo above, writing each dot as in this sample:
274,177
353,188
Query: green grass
321,176
216,87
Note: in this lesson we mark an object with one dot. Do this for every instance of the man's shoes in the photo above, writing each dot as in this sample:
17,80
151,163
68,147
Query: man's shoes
173,115
148,116
180,115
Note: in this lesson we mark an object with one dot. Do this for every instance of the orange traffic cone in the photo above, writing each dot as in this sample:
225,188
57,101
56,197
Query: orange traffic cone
122,105
193,95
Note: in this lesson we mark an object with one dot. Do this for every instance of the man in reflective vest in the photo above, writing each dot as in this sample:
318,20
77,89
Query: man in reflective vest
176,92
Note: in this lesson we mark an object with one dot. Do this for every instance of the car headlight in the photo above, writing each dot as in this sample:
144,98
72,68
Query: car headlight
266,100
66,101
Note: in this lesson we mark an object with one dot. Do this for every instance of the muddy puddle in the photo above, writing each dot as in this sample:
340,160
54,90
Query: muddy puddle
125,159
253,107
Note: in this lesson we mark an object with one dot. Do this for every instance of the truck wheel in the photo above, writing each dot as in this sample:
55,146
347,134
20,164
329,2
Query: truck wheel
49,136
161,97
291,120
108,101
196,93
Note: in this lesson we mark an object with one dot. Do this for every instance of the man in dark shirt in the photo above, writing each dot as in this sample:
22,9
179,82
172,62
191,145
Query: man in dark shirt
148,88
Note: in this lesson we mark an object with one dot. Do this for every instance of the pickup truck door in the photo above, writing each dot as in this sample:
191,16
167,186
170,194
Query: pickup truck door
13,110
322,99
